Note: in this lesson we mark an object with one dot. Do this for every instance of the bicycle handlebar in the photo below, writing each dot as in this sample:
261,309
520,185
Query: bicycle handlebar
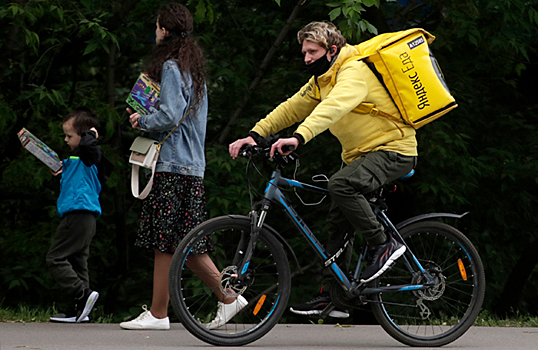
250,151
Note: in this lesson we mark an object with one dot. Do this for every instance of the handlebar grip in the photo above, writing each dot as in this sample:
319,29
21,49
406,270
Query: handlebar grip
289,148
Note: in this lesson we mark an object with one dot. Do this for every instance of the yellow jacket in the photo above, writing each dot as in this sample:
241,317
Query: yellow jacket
330,103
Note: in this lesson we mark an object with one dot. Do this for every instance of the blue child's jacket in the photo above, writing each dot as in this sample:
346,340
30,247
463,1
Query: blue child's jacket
82,174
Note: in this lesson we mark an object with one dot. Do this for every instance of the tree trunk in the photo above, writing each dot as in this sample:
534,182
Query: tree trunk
259,74
6,47
119,200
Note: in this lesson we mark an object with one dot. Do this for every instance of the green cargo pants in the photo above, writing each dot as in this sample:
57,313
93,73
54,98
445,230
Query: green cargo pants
67,258
350,211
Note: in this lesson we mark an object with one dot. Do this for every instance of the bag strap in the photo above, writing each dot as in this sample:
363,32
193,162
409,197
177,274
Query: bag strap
370,108
174,129
135,168
365,107
135,179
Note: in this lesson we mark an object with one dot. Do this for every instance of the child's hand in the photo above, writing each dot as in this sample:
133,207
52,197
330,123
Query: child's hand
58,172
96,133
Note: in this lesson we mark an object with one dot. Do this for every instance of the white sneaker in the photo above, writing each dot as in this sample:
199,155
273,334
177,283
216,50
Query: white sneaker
225,312
89,297
147,321
63,318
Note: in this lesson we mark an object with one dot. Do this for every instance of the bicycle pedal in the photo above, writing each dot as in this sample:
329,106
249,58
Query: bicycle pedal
328,309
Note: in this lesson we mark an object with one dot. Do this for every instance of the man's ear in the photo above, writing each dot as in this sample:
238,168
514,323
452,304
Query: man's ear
332,50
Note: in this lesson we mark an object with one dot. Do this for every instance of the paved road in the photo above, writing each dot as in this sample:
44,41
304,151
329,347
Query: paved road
52,336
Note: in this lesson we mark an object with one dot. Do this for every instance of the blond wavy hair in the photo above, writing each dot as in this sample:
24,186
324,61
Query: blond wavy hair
325,34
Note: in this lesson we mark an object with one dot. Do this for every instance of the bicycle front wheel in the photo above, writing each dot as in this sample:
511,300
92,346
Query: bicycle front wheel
266,289
443,312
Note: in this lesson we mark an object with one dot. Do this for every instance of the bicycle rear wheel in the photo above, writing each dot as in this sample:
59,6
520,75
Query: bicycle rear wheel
267,289
444,312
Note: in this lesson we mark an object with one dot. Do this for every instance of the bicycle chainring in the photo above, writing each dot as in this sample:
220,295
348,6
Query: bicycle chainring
342,300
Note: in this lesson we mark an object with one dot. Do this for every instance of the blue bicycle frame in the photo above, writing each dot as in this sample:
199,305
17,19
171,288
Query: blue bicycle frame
273,193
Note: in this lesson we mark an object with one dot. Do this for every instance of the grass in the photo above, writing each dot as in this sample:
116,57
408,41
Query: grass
518,320
26,314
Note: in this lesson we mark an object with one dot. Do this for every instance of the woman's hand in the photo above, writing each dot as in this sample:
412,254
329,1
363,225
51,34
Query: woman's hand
292,141
133,119
235,147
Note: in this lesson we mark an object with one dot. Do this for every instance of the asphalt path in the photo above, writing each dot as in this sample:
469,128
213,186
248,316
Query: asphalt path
53,336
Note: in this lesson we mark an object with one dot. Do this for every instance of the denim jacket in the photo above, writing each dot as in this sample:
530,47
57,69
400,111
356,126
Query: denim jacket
183,151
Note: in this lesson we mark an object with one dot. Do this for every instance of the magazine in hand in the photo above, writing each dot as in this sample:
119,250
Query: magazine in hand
144,97
39,149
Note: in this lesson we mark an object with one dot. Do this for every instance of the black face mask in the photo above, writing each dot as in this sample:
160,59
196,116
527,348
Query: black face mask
319,66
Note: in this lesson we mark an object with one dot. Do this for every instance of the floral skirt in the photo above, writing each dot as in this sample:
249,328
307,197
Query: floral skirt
175,205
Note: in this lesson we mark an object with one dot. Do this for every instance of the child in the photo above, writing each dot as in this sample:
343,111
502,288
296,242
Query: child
83,172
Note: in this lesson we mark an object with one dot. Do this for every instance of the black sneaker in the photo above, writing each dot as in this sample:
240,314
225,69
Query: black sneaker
70,316
85,304
316,307
383,256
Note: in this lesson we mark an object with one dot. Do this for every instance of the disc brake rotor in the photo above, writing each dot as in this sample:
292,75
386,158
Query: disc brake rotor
435,291
227,285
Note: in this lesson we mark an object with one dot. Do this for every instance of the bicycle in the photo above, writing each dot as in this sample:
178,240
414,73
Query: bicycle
430,297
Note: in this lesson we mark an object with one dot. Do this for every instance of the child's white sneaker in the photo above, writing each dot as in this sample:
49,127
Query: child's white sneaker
89,297
225,312
147,321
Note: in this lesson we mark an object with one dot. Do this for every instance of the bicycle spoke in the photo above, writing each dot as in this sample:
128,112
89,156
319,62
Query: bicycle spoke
265,286
442,312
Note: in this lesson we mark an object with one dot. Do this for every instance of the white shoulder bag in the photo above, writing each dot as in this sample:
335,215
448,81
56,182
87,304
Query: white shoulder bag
145,153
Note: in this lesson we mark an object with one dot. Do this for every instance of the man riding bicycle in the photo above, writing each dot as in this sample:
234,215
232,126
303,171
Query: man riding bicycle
375,149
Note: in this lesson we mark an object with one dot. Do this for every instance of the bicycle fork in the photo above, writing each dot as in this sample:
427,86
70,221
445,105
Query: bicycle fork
247,243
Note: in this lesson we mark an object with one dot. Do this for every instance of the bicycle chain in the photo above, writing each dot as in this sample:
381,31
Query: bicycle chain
341,301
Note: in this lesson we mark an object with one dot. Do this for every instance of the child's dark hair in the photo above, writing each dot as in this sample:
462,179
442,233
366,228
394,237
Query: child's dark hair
85,119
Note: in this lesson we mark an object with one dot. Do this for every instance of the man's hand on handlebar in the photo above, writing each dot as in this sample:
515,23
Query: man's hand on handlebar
269,146
235,147
289,144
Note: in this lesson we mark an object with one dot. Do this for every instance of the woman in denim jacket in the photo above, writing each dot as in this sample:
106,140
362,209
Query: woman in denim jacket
176,202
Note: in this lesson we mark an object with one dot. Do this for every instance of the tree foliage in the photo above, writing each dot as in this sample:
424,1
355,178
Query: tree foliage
481,157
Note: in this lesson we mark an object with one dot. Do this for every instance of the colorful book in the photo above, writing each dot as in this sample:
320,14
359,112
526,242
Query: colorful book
144,97
39,149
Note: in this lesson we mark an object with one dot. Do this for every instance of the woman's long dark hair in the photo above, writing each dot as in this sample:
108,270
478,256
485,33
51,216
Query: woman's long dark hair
179,45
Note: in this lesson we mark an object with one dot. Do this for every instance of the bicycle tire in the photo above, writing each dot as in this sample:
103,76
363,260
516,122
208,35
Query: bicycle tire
443,313
268,293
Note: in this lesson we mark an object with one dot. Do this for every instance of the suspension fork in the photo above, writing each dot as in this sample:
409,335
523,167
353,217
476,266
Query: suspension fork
248,240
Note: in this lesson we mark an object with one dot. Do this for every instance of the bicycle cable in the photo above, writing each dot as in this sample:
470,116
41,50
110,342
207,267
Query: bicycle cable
325,178
251,189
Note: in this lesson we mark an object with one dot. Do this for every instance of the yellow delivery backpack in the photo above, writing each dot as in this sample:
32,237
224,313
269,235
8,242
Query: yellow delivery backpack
404,64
